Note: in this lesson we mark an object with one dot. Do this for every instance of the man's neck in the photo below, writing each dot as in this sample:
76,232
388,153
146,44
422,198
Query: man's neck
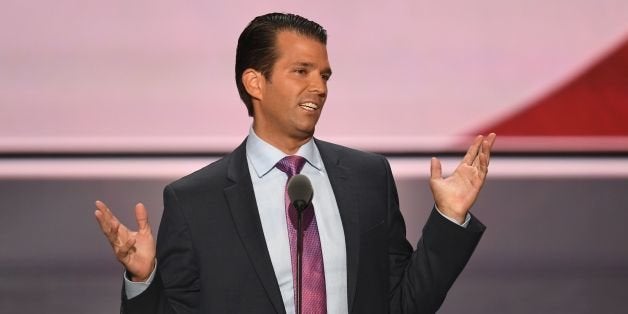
287,144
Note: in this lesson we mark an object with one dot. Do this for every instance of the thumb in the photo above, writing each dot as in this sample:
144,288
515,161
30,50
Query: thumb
141,216
436,171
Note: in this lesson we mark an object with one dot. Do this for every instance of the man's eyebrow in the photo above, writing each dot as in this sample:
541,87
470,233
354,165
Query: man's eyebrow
311,65
304,64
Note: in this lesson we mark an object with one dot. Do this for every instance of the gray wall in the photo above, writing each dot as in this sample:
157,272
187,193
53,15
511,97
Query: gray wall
553,245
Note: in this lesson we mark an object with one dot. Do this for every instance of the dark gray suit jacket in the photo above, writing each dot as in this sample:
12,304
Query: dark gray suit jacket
212,256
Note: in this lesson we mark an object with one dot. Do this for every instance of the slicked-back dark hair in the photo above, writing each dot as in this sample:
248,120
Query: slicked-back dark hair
257,45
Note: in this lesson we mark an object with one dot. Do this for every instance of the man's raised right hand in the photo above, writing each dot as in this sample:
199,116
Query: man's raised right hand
134,249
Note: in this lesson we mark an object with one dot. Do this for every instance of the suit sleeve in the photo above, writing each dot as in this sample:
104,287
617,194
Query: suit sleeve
176,286
420,280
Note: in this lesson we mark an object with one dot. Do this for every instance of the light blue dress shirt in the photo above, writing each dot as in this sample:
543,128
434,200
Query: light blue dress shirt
269,184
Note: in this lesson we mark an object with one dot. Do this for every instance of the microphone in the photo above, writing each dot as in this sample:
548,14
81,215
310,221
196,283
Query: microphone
300,192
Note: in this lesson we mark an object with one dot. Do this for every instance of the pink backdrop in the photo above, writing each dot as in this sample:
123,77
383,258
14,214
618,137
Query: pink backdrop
132,76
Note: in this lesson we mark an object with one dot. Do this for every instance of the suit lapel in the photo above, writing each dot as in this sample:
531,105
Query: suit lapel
339,177
241,199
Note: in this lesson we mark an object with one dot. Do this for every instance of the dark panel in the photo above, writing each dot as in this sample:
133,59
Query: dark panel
552,245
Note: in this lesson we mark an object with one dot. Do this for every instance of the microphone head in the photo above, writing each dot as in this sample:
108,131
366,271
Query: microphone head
300,191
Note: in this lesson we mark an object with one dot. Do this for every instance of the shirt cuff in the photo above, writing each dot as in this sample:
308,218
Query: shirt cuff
467,219
135,288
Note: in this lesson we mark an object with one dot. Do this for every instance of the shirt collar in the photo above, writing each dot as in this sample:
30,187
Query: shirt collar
263,156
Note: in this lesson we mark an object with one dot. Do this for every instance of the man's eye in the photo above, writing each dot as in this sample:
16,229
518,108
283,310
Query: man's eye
326,77
300,71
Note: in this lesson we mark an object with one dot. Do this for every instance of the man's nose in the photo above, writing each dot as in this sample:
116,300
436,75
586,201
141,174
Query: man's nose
318,85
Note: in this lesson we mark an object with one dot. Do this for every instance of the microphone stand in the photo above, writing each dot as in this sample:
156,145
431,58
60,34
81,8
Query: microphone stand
300,192
299,206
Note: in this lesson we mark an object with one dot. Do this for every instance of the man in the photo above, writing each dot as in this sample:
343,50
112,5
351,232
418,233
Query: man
225,242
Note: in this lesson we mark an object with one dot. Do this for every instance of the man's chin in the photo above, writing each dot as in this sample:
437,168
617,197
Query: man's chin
306,132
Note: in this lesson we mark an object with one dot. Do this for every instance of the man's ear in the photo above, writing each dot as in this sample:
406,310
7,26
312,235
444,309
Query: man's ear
253,82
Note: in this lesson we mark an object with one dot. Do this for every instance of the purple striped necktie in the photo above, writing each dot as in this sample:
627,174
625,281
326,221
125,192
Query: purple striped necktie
313,281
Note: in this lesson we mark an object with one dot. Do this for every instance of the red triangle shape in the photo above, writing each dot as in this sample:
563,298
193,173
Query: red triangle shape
595,103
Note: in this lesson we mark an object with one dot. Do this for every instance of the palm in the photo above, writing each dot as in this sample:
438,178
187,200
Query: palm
455,194
140,254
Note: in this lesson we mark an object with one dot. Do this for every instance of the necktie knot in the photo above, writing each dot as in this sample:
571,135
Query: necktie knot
291,165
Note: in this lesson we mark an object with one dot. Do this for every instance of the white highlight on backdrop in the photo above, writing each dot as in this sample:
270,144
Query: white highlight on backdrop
98,76
403,168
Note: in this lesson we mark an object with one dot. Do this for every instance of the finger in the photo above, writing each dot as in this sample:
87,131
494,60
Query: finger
491,139
104,224
436,169
113,234
107,214
109,224
99,218
101,211
141,216
102,207
483,160
476,160
487,145
473,150
103,220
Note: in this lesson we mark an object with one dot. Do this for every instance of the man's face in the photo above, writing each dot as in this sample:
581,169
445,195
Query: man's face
293,95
